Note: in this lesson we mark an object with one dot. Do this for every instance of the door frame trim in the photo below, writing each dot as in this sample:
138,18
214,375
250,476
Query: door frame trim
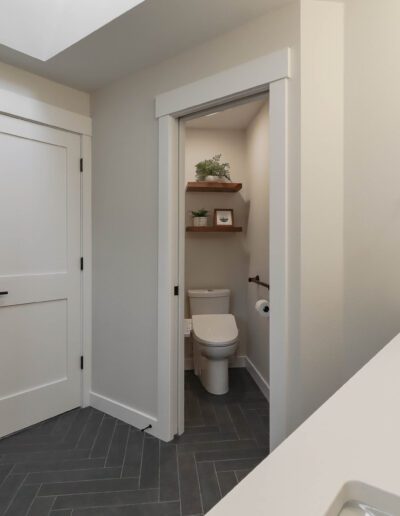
38,112
267,73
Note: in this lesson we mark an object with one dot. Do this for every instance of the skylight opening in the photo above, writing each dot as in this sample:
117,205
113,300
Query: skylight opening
44,28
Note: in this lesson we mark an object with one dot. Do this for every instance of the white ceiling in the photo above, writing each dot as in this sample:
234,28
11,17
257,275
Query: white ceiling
238,117
145,35
44,28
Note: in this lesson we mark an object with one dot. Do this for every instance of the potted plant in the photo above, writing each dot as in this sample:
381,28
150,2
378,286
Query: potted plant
200,217
213,170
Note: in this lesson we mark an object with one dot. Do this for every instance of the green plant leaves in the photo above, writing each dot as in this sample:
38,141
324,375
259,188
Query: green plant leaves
212,167
200,213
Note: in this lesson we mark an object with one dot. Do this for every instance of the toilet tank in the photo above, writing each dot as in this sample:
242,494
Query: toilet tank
209,301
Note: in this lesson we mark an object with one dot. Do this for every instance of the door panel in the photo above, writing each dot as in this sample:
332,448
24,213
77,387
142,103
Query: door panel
36,196
35,337
40,316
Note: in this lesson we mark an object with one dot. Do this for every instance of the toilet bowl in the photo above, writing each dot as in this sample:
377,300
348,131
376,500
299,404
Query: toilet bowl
215,340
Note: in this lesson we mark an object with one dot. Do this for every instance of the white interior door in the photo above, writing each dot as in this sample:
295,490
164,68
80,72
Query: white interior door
40,283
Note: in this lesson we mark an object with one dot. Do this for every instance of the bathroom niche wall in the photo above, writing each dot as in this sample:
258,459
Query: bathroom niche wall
224,260
216,260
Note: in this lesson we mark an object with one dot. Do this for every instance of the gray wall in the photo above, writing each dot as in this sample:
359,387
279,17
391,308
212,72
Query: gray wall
125,193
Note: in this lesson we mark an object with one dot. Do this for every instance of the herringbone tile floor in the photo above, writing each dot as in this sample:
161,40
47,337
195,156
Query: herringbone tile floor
87,463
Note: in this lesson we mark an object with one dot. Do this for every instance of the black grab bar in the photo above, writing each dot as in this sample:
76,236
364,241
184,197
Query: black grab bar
256,280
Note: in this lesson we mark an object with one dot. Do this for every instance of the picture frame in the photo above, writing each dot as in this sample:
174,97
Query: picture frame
223,217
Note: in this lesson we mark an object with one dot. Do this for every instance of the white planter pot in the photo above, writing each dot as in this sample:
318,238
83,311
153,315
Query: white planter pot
200,221
213,179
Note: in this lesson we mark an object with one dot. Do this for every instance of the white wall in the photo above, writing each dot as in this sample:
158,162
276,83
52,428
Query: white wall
31,85
125,209
125,193
372,179
125,203
333,328
203,144
316,362
334,325
219,260
257,238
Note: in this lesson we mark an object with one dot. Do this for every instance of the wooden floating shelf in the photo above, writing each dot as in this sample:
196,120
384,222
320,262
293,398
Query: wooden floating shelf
211,186
214,229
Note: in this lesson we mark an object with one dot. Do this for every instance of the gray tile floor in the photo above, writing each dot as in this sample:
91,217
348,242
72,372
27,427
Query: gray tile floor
87,463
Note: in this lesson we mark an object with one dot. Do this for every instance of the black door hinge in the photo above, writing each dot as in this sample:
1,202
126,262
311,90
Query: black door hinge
176,290
81,263
81,164
82,362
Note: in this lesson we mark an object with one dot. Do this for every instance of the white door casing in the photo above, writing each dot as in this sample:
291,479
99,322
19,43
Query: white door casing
270,72
40,317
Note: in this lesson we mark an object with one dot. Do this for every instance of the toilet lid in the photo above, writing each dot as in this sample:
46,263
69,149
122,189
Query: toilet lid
215,329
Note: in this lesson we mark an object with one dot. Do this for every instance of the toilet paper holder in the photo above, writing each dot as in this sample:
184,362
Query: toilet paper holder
262,307
257,281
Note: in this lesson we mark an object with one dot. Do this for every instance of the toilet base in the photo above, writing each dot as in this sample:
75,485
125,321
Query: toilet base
215,375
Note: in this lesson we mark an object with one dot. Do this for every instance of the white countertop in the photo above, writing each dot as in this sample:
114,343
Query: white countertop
355,435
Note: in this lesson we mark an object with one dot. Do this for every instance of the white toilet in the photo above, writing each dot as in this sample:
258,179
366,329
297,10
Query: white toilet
215,337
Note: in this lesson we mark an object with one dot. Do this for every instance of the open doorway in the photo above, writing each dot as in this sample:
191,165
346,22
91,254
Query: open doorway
268,73
224,241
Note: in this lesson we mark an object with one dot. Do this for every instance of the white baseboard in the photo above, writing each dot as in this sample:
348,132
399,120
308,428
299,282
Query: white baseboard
125,413
257,377
239,361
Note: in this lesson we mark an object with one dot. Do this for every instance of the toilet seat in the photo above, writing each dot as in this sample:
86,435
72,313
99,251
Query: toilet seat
216,330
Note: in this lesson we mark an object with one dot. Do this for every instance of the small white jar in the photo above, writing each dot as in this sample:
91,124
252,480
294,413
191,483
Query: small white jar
200,221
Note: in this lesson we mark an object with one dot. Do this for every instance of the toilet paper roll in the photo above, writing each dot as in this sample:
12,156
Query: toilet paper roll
262,307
